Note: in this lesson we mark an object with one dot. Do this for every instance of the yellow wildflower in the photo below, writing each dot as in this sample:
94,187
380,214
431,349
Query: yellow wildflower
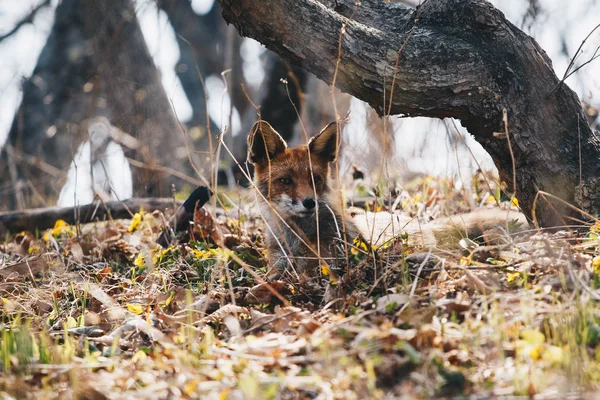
135,308
60,228
512,276
139,261
136,221
596,265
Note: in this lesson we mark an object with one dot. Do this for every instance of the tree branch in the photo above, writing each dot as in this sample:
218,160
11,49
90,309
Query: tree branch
28,19
458,58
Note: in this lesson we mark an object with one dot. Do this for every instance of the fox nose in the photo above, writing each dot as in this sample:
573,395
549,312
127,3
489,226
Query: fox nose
309,203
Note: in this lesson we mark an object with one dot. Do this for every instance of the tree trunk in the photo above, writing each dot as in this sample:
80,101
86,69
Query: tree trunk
45,125
276,106
95,63
134,93
198,39
207,47
447,58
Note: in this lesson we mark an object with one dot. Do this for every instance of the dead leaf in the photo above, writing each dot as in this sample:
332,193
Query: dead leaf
391,302
26,268
261,293
206,227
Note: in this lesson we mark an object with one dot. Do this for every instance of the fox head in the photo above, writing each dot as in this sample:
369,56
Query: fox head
293,180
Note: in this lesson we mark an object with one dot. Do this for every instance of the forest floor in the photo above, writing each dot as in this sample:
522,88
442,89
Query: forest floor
100,311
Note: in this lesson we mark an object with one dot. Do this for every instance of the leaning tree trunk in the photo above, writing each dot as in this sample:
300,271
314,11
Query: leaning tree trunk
280,103
95,63
447,58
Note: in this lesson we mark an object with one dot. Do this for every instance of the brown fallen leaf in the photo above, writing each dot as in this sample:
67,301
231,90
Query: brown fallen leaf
114,311
206,227
424,338
26,268
24,240
221,313
261,294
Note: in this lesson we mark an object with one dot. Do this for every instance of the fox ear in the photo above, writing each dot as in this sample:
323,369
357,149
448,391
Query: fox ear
264,143
325,144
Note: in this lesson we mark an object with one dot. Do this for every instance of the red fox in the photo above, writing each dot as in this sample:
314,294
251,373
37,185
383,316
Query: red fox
306,223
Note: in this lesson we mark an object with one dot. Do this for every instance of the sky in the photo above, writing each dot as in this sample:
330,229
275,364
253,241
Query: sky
18,55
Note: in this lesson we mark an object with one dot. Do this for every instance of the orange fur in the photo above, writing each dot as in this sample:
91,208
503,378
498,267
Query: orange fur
296,184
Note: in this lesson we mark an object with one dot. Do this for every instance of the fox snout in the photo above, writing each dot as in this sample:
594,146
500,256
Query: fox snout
294,207
309,203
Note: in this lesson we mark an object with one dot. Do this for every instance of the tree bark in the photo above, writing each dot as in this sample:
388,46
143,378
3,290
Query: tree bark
447,58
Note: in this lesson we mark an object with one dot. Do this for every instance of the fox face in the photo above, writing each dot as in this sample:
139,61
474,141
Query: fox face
292,180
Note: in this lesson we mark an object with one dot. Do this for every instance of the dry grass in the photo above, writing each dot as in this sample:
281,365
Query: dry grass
107,314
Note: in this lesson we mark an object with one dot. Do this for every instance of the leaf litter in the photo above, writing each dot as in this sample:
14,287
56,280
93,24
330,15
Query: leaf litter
103,311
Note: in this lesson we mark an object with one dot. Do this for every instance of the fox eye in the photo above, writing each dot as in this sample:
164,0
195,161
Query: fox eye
286,181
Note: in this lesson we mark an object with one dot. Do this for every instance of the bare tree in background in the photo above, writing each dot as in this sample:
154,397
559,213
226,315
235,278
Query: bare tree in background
95,63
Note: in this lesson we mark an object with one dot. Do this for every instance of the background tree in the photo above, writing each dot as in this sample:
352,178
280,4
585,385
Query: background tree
95,63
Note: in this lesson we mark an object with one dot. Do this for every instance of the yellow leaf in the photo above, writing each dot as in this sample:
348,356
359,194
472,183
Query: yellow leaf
491,199
190,386
70,323
33,250
170,298
139,261
515,202
360,244
533,337
325,269
157,254
139,356
60,223
553,354
535,352
224,394
512,276
135,308
60,227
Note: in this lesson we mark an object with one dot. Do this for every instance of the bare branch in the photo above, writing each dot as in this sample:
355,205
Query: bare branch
28,19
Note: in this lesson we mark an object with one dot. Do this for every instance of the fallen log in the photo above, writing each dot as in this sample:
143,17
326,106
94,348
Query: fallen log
45,218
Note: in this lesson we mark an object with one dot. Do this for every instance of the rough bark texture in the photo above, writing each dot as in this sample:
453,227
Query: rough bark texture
456,58
95,63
